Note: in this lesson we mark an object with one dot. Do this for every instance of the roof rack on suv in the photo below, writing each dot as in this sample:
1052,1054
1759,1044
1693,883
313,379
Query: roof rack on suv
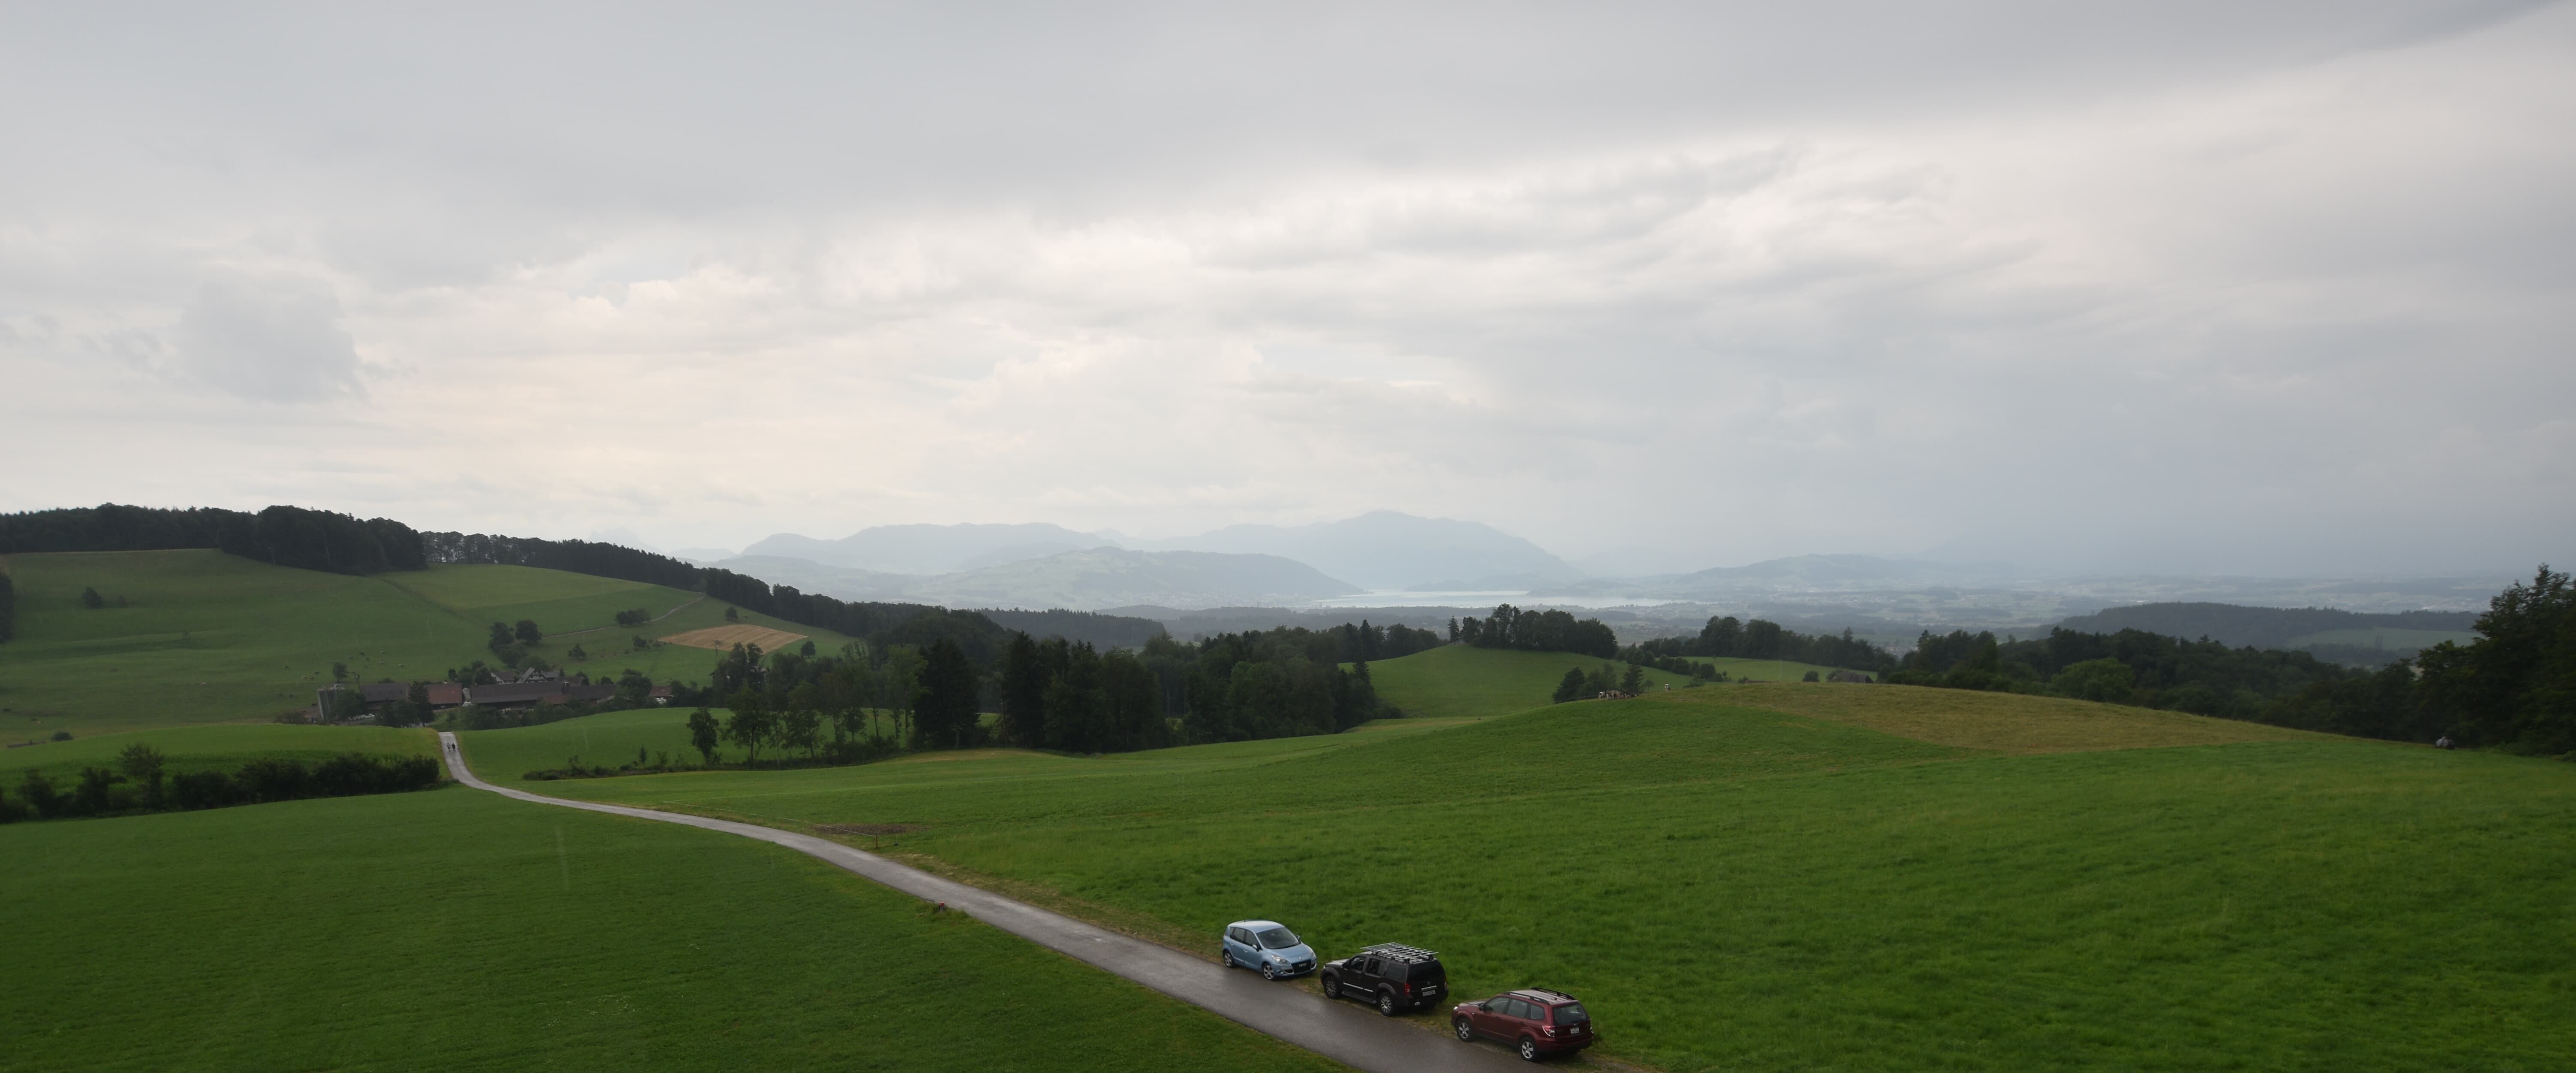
1549,991
1412,955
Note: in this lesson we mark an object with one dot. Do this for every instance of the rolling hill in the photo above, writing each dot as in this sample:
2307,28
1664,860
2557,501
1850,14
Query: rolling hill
205,637
1809,876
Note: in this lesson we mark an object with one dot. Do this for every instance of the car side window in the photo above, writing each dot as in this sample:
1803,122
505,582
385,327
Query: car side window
1525,1009
1498,1004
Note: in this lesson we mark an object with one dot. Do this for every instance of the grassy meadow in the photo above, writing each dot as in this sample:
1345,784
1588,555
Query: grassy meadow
1732,884
205,637
455,930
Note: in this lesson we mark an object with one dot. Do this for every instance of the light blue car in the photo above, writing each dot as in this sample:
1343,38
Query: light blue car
1266,945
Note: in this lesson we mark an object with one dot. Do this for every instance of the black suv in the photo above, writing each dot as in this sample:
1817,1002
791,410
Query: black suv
1394,976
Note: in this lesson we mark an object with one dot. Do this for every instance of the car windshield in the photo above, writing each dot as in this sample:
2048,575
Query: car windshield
1571,1014
1278,939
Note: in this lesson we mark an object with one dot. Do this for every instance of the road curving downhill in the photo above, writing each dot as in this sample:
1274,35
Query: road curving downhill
1344,1032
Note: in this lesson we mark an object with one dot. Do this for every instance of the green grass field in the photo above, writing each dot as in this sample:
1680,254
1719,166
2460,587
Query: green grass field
456,930
1731,886
206,637
1462,680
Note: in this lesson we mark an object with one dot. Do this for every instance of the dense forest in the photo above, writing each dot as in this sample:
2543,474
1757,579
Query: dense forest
570,556
2261,627
2277,627
1760,639
1537,631
1068,696
2514,687
285,536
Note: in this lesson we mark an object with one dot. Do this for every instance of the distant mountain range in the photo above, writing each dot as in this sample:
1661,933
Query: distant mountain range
1378,550
1387,550
1085,580
928,549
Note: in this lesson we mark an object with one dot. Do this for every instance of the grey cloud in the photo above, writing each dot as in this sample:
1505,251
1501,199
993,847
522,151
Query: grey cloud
268,339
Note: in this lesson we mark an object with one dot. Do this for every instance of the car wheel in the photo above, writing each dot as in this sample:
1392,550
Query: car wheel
1270,971
1386,1003
1529,1049
1466,1032
1225,957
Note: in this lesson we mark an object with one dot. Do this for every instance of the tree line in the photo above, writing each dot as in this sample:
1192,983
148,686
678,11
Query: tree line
282,535
1550,630
2512,688
141,781
1725,637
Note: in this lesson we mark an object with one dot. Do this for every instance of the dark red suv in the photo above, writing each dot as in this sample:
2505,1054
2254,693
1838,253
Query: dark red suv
1534,1020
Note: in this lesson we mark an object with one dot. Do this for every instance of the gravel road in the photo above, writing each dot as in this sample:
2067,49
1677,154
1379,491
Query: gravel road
1344,1031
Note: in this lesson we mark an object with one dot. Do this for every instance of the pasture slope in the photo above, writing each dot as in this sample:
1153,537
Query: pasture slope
204,637
454,930
1793,877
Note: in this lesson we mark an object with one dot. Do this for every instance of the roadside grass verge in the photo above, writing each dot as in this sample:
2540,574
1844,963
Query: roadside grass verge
457,930
1737,887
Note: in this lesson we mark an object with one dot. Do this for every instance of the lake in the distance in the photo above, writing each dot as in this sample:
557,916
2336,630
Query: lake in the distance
1483,601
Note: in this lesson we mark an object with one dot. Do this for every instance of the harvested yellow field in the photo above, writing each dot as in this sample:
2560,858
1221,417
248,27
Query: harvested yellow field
723,638
2002,722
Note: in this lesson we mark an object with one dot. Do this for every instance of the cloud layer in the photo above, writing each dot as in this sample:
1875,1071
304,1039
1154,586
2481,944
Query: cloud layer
2159,288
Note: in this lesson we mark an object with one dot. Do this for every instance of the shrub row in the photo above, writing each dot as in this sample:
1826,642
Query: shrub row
143,787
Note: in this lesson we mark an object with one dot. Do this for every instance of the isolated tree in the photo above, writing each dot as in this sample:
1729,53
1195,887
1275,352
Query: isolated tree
577,653
1811,676
339,671
1571,686
527,632
500,638
944,704
751,724
92,600
1024,688
143,764
806,650
732,615
704,735
800,728
1633,681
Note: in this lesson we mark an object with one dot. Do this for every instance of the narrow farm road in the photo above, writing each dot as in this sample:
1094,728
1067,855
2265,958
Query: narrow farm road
1343,1031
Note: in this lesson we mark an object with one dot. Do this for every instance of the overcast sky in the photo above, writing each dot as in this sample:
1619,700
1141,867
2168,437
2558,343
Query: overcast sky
2175,286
